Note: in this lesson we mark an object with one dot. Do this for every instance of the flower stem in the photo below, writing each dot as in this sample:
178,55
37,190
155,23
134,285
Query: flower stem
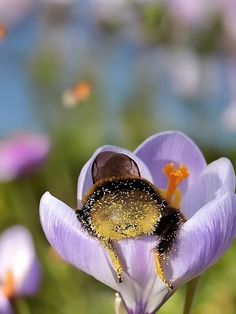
119,305
14,305
19,306
190,291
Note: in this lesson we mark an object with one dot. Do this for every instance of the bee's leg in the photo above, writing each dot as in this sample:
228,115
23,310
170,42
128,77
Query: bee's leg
167,231
114,258
159,269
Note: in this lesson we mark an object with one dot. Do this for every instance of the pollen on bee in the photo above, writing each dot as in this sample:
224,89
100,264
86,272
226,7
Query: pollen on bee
123,208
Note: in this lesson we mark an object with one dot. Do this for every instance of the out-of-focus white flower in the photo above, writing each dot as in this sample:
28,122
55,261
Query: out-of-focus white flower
109,11
185,73
229,117
58,2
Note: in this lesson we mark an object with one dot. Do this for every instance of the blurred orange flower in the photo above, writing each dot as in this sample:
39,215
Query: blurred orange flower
3,32
78,93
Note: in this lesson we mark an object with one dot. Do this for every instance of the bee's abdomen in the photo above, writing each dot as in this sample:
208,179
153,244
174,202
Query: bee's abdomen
120,209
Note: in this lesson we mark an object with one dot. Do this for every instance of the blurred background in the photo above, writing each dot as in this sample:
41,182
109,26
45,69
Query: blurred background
87,73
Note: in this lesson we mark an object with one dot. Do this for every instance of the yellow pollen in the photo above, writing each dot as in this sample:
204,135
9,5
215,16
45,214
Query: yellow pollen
174,177
8,284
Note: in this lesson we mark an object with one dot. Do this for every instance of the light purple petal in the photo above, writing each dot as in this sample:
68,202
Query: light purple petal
171,146
85,177
72,242
18,256
32,280
203,239
138,261
5,306
217,179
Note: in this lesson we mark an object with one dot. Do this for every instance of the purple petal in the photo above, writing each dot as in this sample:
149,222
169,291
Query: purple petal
217,179
142,291
171,146
85,178
22,153
140,276
32,281
204,238
18,256
72,242
5,306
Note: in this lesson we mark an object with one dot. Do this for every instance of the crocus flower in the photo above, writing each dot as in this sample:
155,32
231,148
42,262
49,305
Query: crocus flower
205,197
19,267
22,153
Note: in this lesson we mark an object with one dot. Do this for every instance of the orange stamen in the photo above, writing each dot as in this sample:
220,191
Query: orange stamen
174,176
8,284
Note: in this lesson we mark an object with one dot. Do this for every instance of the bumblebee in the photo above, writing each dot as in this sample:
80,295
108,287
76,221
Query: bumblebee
122,205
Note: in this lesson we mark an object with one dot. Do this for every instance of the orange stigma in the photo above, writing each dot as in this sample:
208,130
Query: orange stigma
174,176
8,285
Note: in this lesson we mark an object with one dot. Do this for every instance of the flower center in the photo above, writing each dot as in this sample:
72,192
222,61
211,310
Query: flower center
8,287
174,177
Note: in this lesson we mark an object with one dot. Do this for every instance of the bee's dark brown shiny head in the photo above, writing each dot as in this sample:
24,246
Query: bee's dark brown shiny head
110,164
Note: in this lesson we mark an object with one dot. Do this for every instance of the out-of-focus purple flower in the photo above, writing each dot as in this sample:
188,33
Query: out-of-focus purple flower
20,272
191,12
12,11
228,11
21,154
208,203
